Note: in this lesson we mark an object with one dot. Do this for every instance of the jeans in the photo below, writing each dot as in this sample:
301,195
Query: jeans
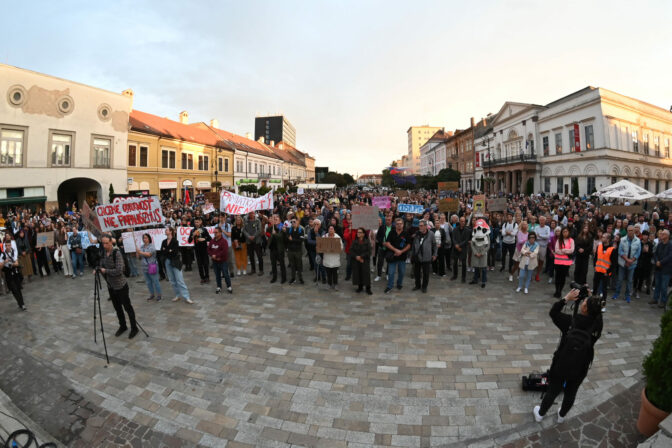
525,277
481,272
130,259
77,262
221,267
398,267
152,281
628,285
177,281
662,281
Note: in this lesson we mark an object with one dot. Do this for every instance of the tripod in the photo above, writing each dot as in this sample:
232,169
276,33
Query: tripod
96,303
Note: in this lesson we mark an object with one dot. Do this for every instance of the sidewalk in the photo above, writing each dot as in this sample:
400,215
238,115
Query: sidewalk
13,419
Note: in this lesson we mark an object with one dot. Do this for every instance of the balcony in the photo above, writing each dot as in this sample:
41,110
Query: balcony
522,158
264,175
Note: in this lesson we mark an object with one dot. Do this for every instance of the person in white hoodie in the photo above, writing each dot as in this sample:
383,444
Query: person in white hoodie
332,261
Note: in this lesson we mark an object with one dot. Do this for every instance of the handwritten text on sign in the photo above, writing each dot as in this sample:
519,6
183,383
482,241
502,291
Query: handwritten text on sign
234,204
130,213
184,232
381,201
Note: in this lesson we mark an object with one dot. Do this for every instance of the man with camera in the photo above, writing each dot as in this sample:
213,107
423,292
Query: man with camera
111,266
575,353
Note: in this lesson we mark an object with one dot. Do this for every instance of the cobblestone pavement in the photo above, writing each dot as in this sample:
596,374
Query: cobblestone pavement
280,365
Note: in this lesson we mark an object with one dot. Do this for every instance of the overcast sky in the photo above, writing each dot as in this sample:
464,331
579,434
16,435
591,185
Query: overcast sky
351,76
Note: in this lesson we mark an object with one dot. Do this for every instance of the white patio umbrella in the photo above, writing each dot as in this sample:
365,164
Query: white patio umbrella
667,194
624,189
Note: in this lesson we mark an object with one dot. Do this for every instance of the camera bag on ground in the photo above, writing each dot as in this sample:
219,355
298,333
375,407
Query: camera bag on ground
536,382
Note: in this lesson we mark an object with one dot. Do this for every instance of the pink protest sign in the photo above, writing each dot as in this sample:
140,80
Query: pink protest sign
381,201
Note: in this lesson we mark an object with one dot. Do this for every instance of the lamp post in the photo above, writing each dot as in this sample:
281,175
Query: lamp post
483,143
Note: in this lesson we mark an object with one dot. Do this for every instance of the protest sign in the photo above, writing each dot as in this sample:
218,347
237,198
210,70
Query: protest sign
85,239
213,198
132,241
328,245
334,201
299,190
45,239
129,213
448,189
381,201
497,205
128,242
90,220
365,216
234,204
402,193
208,208
410,208
479,205
184,232
621,209
449,205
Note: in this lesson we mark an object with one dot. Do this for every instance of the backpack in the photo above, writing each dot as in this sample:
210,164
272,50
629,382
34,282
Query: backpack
575,354
127,269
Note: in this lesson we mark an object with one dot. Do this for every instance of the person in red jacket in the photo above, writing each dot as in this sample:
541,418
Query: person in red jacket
349,235
218,249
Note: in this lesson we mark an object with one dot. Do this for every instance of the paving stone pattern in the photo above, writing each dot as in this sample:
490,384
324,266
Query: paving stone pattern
280,365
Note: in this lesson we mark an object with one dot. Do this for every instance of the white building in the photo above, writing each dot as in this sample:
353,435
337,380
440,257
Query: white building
433,153
60,141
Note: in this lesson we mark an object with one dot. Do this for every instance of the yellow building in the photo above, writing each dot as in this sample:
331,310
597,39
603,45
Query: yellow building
418,136
167,157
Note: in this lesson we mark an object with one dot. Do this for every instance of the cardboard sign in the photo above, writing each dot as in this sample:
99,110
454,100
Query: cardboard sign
449,205
209,208
381,202
184,232
327,245
234,204
410,208
85,239
45,239
402,194
479,205
497,205
130,213
448,189
365,216
621,209
213,198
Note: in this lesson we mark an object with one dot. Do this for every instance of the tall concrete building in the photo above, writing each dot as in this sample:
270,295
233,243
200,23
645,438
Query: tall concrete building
418,136
274,129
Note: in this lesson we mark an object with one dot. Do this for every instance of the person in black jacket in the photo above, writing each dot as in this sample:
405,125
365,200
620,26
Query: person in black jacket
170,256
566,371
381,237
200,237
461,237
277,245
360,251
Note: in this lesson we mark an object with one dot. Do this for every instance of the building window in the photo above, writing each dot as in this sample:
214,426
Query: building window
547,184
220,164
590,184
646,184
144,155
167,159
590,139
667,148
646,144
226,165
187,161
101,152
202,163
657,186
572,148
558,143
560,185
614,179
656,145
255,168
635,141
132,155
61,149
11,148
544,142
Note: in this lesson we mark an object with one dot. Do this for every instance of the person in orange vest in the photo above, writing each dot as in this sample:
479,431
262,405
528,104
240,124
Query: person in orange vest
564,248
603,265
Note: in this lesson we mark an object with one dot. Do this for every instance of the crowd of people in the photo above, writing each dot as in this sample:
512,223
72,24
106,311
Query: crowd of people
536,235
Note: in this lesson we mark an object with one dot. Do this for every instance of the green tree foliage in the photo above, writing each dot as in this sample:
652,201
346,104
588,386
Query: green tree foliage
658,367
250,188
263,190
575,187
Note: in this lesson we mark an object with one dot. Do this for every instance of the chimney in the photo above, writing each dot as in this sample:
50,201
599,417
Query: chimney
484,121
248,136
472,122
184,117
261,139
214,123
129,93
281,145
272,142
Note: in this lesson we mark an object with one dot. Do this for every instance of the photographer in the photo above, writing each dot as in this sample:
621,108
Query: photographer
574,354
111,265
9,264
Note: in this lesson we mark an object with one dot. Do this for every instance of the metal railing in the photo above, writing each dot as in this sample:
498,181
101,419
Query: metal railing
524,158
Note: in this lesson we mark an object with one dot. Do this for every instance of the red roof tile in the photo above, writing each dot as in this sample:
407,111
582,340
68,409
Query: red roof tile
164,127
238,142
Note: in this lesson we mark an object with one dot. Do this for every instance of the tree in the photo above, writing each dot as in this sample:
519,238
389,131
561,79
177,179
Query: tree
387,180
250,188
263,190
334,178
529,187
349,180
575,187
394,163
111,193
448,175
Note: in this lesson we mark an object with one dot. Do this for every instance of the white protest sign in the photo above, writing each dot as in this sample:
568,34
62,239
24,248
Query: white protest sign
133,240
130,213
209,208
184,232
234,204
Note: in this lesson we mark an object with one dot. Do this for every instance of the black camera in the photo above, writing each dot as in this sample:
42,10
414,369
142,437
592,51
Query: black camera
584,292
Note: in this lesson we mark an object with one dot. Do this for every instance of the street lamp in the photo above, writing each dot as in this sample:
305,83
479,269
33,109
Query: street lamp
483,143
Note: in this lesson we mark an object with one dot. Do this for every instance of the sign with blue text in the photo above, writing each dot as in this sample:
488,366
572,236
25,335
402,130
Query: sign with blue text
410,208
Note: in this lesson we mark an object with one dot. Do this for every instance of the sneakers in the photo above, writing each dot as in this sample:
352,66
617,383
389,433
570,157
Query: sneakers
377,279
525,291
189,301
518,289
627,299
387,290
230,290
150,298
218,290
158,298
238,272
561,419
134,331
537,418
176,299
23,308
550,280
510,278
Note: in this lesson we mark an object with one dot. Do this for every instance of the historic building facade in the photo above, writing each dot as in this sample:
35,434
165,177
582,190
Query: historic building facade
433,154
